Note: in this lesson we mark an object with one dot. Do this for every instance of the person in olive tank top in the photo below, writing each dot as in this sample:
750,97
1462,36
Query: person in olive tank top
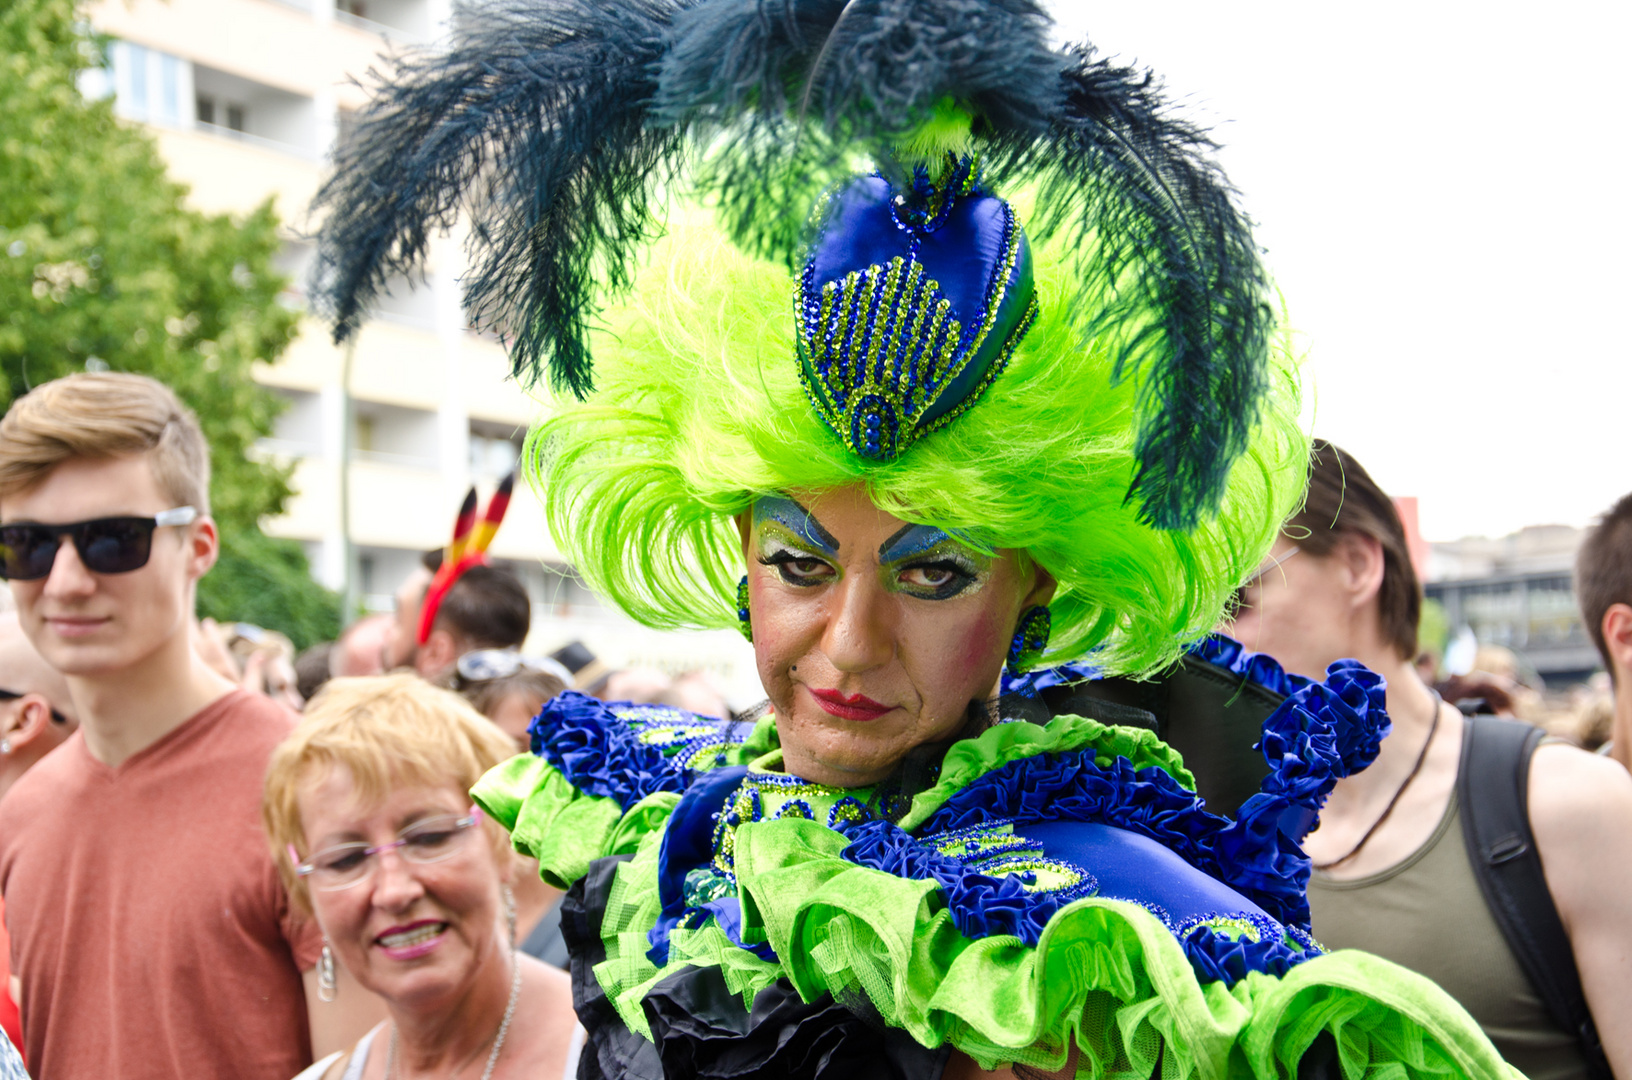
1392,874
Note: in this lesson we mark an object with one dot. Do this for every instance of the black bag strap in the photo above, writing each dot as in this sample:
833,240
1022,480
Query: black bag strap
1502,851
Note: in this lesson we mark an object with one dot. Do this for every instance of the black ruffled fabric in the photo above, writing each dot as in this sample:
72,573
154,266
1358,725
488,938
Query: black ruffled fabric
612,1051
703,1031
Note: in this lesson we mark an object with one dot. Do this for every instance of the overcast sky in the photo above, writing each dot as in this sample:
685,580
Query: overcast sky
1443,193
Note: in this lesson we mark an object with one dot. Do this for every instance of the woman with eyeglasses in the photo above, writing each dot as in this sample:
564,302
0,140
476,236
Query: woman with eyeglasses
368,810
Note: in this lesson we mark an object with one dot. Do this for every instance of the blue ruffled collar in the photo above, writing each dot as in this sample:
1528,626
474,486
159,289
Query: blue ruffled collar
1321,732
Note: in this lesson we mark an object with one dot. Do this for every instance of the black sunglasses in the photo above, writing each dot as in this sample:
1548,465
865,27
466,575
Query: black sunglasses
12,695
111,545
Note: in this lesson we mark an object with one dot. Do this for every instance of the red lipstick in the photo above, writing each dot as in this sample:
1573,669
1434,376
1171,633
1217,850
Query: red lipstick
855,707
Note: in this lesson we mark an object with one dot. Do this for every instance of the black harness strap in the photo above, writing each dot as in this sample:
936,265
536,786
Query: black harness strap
1502,851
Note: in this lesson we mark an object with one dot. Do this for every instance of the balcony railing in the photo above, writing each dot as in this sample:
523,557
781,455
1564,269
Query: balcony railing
399,461
392,34
233,134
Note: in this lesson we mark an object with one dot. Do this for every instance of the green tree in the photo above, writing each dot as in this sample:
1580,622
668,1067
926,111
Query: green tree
102,265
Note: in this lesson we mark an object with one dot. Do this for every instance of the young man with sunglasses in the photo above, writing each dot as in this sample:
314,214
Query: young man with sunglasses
149,930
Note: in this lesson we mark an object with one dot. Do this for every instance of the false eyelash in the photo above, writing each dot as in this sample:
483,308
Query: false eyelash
783,557
951,565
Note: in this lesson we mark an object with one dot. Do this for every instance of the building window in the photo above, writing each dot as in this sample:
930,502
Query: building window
150,85
243,110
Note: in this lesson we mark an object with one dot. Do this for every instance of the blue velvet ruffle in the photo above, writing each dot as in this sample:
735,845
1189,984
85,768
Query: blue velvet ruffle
1217,956
981,905
1074,787
1322,732
626,752
984,905
1262,669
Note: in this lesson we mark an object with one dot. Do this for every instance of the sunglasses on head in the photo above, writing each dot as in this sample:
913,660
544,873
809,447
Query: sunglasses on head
485,665
110,545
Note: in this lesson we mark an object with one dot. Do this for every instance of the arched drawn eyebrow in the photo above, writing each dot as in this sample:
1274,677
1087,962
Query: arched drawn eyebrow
910,540
797,520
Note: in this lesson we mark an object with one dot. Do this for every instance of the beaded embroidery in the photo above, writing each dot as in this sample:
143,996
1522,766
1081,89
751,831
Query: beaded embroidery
767,796
881,350
993,849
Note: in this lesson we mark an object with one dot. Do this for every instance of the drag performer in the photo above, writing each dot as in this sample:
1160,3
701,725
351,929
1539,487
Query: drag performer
922,350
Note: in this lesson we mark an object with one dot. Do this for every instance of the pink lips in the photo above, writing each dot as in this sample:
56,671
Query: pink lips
418,948
855,707
68,627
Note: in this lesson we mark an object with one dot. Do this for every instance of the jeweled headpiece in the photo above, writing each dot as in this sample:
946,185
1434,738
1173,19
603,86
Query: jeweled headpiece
558,127
909,305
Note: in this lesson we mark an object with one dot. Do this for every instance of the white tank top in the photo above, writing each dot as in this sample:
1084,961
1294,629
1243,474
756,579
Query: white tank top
359,1057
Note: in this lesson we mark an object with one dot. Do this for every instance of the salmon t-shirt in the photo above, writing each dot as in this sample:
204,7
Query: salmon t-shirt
148,925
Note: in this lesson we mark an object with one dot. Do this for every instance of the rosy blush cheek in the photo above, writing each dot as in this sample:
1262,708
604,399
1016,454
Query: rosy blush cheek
983,639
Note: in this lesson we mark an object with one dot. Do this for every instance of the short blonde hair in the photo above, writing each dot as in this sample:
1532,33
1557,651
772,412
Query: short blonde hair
103,415
386,731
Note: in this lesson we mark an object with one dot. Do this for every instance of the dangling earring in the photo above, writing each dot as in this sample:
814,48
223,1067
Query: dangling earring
510,914
325,974
743,625
1030,639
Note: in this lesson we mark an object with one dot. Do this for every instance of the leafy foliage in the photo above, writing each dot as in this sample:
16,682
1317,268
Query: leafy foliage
264,580
102,263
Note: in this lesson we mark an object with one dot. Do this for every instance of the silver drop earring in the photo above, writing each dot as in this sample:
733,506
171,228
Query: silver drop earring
325,975
510,914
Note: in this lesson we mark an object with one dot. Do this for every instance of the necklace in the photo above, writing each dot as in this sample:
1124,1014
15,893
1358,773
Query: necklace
498,1042
1389,809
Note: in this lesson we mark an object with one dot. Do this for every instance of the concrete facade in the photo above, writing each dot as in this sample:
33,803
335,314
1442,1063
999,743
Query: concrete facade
245,99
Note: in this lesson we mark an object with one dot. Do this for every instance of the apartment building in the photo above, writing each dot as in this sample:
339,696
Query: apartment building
245,99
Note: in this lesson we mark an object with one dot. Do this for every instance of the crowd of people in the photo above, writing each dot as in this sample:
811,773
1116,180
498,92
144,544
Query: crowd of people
133,861
134,869
1098,739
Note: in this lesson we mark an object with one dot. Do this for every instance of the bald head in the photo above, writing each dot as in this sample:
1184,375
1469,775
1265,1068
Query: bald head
361,649
24,671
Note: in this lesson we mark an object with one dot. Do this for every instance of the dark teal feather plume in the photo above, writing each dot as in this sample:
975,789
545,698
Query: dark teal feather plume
551,124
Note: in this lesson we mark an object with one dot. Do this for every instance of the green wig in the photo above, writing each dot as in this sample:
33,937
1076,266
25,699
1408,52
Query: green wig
1093,380
699,410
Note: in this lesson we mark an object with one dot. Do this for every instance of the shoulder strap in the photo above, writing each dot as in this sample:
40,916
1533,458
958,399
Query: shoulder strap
1502,852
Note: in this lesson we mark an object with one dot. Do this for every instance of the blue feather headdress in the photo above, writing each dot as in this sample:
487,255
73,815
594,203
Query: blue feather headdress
553,124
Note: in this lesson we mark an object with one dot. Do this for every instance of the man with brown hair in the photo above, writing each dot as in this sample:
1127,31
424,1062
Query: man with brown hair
150,933
1499,868
487,608
1603,588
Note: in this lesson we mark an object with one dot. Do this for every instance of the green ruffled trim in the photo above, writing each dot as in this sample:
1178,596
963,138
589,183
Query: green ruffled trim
566,830
632,908
969,760
1106,976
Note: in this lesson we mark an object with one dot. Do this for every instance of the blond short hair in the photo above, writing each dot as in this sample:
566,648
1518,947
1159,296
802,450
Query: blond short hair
104,415
386,731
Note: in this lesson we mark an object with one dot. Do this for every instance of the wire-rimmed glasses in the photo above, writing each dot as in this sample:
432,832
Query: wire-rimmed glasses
429,840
